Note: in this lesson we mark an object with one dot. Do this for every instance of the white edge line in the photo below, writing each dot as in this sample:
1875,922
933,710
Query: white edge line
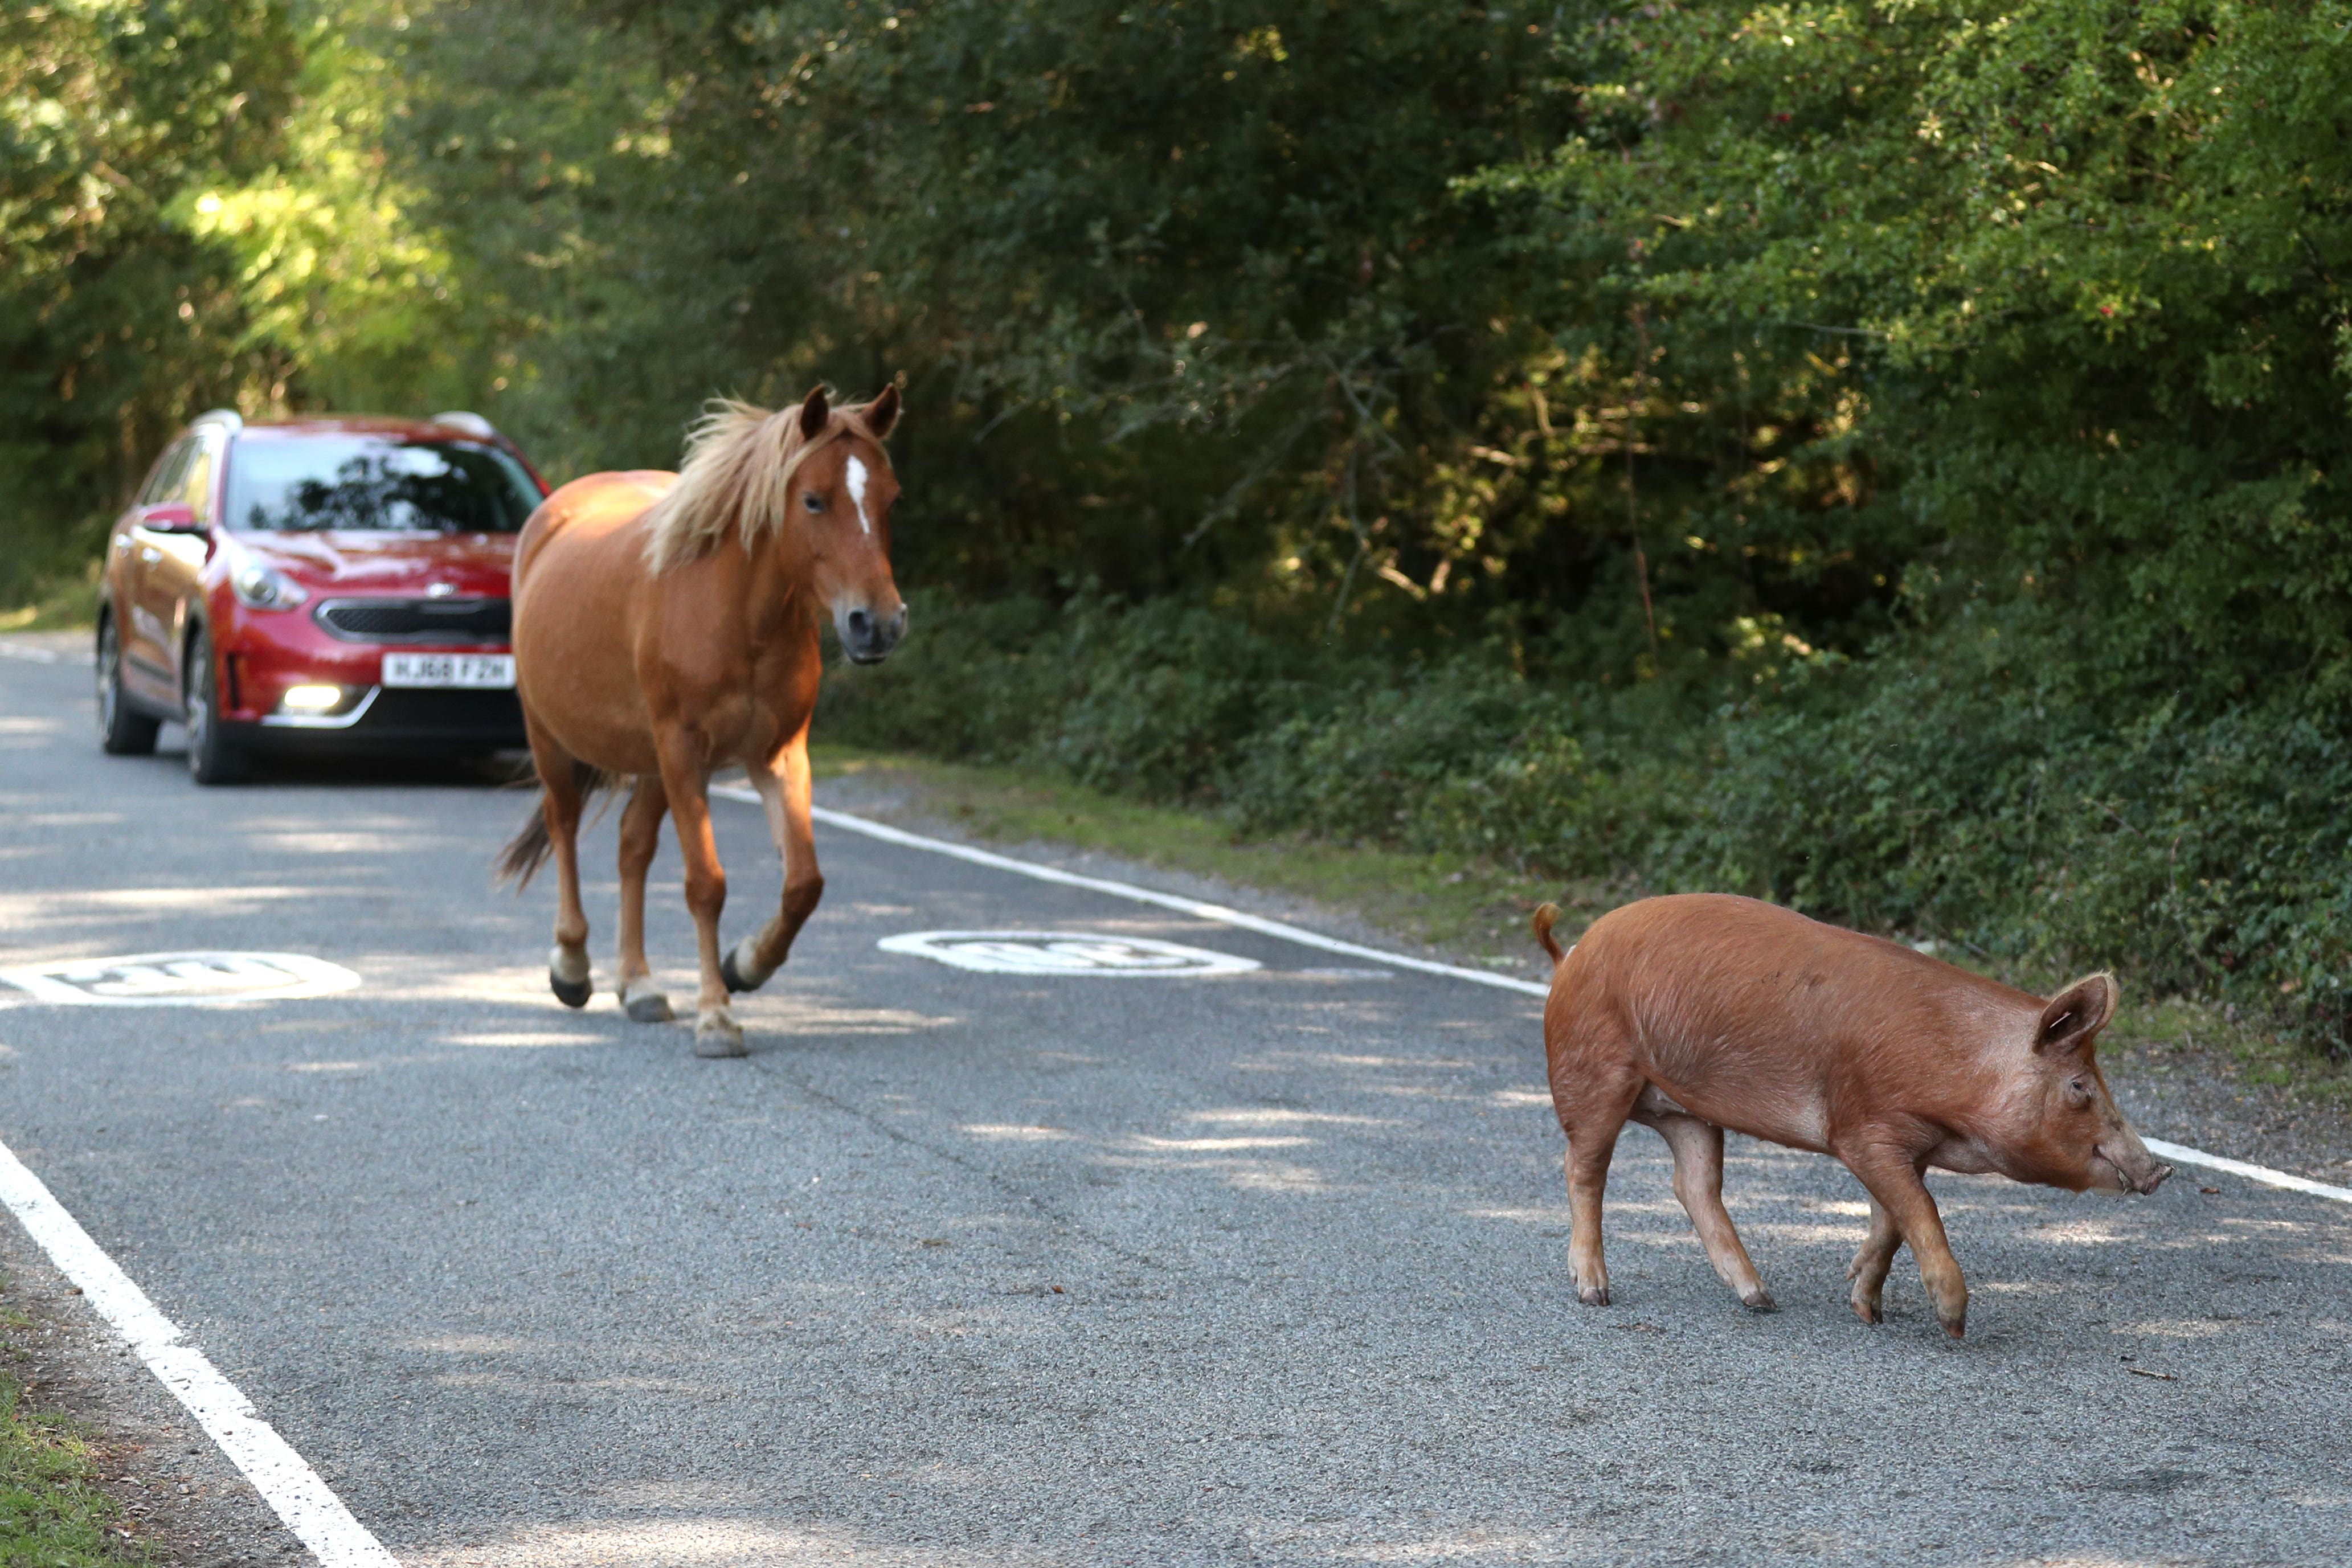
2264,1174
1126,890
1217,912
285,1481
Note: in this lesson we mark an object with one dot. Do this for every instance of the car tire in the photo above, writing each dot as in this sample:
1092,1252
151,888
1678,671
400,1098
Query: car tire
213,756
122,730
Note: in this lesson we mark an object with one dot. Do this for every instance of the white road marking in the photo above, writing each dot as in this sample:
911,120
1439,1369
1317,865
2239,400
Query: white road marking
2264,1174
27,651
1288,933
1216,911
181,979
1070,953
857,493
285,1481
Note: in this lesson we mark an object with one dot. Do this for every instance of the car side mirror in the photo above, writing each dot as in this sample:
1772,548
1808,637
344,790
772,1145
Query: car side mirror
171,517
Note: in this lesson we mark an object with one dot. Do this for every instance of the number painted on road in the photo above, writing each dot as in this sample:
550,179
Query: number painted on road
182,979
1064,953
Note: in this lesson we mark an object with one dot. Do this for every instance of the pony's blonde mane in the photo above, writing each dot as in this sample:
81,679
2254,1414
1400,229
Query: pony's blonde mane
737,477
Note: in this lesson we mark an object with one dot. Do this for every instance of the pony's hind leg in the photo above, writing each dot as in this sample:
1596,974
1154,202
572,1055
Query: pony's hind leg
640,837
783,788
563,783
1698,1182
716,1032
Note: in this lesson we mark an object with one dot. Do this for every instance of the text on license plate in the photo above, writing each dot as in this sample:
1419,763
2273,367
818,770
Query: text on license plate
477,670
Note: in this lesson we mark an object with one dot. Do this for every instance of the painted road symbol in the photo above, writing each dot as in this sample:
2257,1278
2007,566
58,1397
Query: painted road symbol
1064,953
182,979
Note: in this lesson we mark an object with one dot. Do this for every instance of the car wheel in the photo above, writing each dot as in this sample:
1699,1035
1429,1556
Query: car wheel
122,731
213,757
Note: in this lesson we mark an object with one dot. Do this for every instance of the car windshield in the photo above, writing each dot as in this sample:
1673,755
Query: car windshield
376,484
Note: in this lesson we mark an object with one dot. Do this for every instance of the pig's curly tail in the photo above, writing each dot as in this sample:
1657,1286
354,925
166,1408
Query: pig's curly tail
1542,924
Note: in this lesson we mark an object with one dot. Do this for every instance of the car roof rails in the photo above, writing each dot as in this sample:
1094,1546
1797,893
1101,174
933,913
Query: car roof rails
228,419
471,423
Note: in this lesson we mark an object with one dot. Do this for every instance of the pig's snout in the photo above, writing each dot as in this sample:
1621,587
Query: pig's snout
2135,1169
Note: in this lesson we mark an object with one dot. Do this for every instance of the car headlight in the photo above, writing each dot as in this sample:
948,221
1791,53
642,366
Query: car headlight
261,587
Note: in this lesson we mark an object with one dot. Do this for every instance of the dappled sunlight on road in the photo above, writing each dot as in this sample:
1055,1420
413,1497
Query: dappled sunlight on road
1253,1117
690,1543
529,1038
1004,1133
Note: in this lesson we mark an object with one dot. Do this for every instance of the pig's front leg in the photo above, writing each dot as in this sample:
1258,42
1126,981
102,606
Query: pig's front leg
1895,1186
1868,1270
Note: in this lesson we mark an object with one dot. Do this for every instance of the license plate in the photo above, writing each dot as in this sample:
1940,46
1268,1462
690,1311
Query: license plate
476,672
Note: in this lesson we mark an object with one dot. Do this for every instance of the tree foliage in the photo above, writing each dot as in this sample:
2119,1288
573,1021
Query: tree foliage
1884,454
114,323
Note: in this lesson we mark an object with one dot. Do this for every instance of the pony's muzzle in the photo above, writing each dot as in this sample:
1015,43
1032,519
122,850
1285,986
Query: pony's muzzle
868,638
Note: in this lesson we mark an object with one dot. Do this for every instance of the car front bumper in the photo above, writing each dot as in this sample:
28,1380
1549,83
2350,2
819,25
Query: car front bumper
395,719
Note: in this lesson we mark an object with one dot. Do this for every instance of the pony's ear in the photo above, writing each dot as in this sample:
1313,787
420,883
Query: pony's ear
882,413
815,412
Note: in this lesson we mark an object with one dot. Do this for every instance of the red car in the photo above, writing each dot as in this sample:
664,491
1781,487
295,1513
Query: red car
320,583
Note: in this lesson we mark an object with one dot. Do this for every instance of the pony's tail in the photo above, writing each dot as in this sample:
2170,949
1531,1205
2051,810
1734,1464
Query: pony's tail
1542,924
528,850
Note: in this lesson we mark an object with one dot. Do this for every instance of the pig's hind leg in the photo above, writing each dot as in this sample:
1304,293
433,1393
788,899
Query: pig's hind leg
1593,1124
1868,1270
1698,1182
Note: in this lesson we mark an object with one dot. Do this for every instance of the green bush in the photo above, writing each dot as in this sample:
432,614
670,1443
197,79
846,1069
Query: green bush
1970,784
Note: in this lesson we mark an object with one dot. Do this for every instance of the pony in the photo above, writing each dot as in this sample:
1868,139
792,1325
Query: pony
668,625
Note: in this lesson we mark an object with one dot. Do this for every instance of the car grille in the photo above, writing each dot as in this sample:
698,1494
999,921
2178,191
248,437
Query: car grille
419,619
490,718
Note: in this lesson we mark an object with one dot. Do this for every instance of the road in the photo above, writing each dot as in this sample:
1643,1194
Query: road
963,1268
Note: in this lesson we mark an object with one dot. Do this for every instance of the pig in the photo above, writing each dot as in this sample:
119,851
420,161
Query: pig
1694,1013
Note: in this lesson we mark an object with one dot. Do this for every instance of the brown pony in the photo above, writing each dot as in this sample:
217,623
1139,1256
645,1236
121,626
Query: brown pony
666,626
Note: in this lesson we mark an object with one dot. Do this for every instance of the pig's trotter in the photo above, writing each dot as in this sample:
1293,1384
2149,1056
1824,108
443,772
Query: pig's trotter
1593,1295
1869,1269
1759,1299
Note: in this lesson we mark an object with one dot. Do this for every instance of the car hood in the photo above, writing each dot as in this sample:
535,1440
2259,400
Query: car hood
470,565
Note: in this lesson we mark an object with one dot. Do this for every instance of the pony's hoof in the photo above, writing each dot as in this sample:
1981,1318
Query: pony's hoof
1759,1299
569,977
739,968
719,1038
651,1006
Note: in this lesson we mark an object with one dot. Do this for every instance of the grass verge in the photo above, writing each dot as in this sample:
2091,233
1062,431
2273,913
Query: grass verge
63,603
52,1512
1474,911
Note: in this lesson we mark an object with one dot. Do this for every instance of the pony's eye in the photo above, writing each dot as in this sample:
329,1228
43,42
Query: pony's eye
813,501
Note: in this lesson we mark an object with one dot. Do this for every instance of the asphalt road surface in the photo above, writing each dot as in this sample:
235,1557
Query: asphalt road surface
971,1268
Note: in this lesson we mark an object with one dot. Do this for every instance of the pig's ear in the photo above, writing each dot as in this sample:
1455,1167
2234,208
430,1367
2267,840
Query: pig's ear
2077,1013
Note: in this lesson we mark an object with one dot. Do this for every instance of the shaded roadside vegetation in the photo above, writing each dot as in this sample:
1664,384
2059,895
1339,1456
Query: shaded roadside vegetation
52,1512
1887,459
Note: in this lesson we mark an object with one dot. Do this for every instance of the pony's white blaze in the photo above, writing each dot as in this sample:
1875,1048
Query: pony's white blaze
857,493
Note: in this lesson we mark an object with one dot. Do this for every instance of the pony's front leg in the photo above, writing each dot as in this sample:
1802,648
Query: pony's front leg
562,800
716,1032
784,788
640,837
